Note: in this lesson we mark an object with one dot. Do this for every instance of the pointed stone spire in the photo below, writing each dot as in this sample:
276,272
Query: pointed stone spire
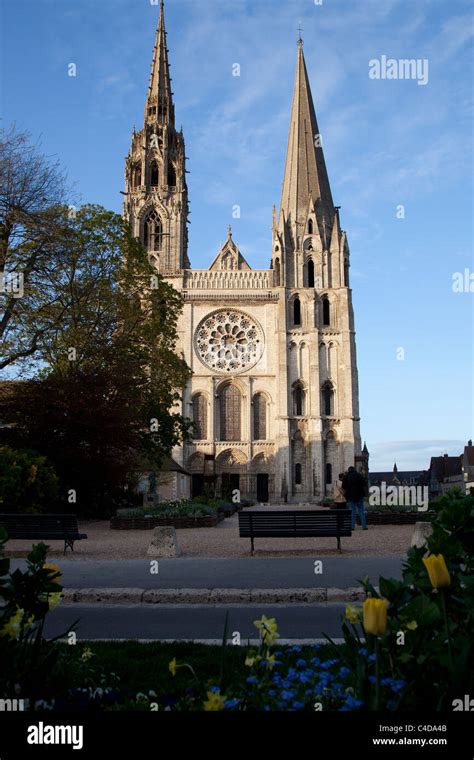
305,169
159,105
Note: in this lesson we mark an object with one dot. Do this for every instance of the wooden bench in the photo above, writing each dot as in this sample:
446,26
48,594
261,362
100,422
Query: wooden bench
295,523
49,527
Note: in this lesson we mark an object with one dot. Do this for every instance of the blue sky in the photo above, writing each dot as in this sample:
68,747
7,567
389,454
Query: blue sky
386,142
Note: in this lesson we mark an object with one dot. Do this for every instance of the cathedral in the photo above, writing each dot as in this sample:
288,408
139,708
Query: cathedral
274,391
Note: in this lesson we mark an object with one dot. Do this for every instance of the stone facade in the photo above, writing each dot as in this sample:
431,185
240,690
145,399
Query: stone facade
274,392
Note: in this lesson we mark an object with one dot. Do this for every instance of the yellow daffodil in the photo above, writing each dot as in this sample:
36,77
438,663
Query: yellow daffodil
270,660
375,616
12,628
438,572
173,666
53,569
54,599
353,614
268,629
87,654
412,626
215,701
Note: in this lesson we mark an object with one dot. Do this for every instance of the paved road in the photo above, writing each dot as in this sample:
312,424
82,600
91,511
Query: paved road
193,622
294,572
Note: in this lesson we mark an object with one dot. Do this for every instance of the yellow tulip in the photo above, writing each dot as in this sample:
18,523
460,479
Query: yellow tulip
53,569
375,616
172,666
438,572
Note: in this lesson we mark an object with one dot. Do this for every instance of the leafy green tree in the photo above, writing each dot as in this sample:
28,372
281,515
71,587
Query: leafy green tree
28,482
107,401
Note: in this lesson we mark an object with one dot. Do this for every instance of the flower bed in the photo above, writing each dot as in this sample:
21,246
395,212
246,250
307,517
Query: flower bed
377,517
180,514
408,646
152,521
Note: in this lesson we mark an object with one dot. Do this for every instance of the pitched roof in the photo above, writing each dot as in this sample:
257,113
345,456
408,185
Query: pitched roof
445,467
469,455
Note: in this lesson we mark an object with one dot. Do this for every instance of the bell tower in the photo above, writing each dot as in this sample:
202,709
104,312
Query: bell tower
156,195
310,262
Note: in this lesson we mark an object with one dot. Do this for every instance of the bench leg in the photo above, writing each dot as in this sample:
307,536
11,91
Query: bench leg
68,542
339,544
251,546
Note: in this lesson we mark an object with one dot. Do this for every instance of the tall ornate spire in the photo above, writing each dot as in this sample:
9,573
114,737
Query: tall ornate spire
159,105
305,169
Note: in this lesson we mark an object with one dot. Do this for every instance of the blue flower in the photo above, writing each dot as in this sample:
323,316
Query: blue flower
303,678
363,651
298,705
371,658
372,679
395,686
296,649
272,693
300,663
287,695
352,703
251,679
214,688
229,704
344,672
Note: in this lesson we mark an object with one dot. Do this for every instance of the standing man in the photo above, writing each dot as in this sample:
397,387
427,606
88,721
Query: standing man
354,487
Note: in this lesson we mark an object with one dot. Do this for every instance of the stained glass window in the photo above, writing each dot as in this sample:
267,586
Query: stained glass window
259,417
200,417
230,413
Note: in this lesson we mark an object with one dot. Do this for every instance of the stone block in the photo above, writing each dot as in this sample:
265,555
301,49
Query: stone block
164,542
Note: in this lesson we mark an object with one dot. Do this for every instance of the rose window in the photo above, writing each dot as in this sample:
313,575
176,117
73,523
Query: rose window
229,341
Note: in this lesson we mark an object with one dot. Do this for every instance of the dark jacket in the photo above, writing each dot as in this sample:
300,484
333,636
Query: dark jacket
354,486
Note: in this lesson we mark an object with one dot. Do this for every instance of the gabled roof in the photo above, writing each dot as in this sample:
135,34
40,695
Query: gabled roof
229,257
445,467
469,455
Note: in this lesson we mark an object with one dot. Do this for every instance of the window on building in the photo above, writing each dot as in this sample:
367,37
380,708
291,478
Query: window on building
310,226
230,413
297,474
137,177
171,176
259,417
297,312
328,400
346,273
326,312
328,474
154,174
276,273
298,403
311,273
153,232
200,417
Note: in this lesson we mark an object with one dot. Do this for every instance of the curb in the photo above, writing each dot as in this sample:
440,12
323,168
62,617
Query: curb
212,596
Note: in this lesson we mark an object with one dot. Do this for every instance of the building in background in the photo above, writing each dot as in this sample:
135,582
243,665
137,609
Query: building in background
274,392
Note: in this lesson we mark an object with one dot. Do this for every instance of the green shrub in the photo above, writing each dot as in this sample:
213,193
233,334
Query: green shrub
28,482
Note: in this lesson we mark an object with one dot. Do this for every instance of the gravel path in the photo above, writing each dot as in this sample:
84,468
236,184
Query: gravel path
224,541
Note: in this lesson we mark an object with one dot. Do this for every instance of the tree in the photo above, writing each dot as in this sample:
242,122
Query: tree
28,482
107,401
32,209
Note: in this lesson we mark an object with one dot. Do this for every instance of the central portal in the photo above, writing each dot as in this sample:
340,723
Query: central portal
230,483
262,487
